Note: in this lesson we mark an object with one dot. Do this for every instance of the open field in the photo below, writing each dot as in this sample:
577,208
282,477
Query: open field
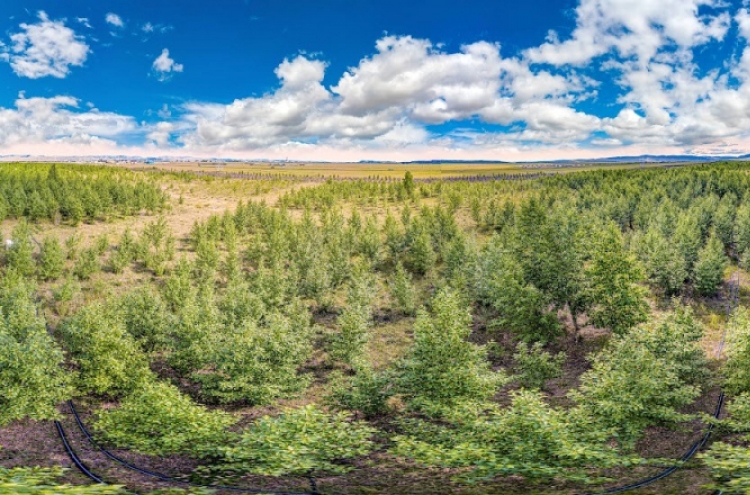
550,335
388,170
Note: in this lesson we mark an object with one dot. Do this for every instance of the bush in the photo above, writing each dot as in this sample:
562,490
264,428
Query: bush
529,438
298,442
157,419
146,318
20,253
643,378
44,481
709,269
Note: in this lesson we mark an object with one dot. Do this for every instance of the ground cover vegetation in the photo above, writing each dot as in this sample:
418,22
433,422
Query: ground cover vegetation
539,328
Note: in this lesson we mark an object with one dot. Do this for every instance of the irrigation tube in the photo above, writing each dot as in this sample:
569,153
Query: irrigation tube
700,443
170,479
76,460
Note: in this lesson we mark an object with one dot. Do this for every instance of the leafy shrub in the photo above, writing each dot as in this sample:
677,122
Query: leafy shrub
19,255
709,268
87,264
146,318
528,438
615,299
297,442
157,419
536,366
43,481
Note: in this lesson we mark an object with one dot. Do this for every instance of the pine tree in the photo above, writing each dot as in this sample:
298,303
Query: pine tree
442,367
51,260
616,301
709,268
20,254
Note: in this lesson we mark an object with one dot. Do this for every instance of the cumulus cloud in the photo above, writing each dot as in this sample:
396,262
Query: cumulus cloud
114,20
58,119
164,66
387,104
47,48
389,98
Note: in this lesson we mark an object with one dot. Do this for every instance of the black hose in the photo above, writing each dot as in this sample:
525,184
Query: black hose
170,479
76,460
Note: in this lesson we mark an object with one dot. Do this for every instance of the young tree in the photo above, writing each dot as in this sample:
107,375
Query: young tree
298,442
32,379
615,299
521,308
441,367
20,253
109,359
536,366
51,259
403,292
709,268
664,265
253,364
643,378
349,344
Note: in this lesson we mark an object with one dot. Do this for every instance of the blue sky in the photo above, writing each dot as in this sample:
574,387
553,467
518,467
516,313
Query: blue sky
359,79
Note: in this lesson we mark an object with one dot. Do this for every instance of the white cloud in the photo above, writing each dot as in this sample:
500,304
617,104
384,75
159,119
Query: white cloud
147,28
164,66
114,19
47,48
84,21
634,28
42,120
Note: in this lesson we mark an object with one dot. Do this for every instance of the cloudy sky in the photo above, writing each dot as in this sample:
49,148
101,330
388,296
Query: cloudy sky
366,79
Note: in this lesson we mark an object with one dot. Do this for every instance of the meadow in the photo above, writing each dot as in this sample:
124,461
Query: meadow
375,328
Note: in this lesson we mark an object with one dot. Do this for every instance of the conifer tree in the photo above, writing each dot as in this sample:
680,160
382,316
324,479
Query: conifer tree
615,299
709,268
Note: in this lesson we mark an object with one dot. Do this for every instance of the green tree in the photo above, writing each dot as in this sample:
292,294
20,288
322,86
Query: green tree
254,364
643,378
32,380
535,366
51,259
520,307
20,253
408,183
663,263
441,367
109,359
403,291
614,296
349,344
709,268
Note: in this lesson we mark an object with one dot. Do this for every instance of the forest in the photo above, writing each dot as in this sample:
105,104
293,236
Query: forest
553,333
